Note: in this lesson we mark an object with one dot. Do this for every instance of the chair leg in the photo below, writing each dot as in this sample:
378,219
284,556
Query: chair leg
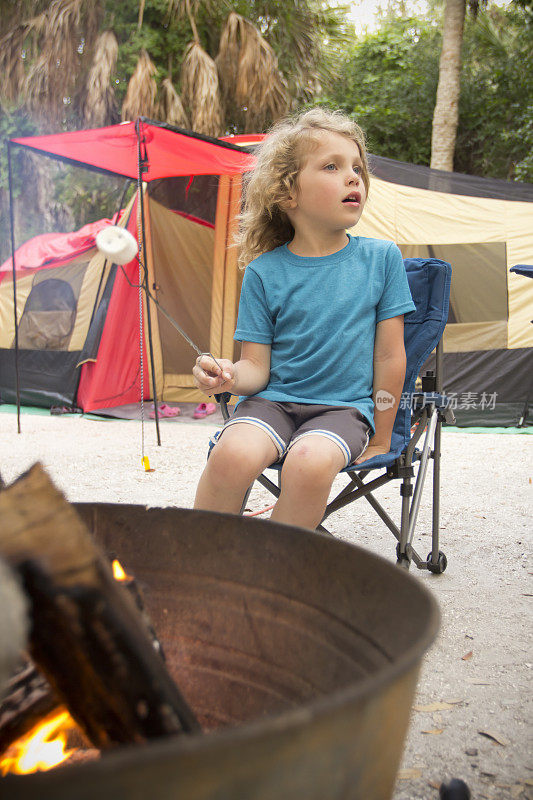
436,497
268,484
422,470
411,503
264,481
403,557
246,496
436,560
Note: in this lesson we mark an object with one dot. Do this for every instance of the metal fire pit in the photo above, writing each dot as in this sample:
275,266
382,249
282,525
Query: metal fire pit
298,653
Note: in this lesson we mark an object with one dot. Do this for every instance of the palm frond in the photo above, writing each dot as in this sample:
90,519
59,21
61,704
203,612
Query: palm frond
200,90
491,39
249,73
142,90
181,8
307,37
170,106
14,46
99,106
52,76
11,62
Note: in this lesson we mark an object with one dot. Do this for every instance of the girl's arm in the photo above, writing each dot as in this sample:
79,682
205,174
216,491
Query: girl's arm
245,377
389,377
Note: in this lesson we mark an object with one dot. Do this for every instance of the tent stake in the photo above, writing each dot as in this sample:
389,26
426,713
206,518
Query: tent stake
12,227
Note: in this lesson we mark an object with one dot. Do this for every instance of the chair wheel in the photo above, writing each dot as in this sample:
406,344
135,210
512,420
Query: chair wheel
440,566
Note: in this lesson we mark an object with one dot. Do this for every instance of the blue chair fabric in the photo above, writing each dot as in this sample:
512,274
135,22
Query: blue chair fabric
429,282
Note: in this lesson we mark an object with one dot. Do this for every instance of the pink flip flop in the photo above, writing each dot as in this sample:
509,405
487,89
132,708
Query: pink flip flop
204,409
165,411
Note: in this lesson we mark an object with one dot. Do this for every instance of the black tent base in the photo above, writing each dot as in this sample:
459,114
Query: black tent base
47,377
489,388
504,415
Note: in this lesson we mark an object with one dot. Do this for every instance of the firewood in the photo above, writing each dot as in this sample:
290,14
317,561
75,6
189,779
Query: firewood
87,636
28,697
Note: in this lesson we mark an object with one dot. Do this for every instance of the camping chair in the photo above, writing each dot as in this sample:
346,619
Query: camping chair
419,412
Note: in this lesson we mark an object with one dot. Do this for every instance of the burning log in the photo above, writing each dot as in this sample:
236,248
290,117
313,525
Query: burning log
28,698
130,584
87,635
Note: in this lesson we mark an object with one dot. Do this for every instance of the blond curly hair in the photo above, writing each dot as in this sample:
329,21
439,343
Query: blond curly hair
264,225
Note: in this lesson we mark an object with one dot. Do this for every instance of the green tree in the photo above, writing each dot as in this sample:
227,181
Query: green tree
388,85
495,134
390,79
446,113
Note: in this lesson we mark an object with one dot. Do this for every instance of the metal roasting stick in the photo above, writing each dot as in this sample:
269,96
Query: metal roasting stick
120,246
181,331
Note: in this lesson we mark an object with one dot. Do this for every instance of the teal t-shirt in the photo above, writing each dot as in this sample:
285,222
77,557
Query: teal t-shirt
319,315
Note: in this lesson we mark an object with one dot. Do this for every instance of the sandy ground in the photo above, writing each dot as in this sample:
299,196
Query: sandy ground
478,671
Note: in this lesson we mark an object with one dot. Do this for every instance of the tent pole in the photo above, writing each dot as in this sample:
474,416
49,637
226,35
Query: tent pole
142,160
127,183
12,227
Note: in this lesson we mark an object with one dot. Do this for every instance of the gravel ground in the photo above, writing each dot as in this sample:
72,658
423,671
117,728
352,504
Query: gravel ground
479,670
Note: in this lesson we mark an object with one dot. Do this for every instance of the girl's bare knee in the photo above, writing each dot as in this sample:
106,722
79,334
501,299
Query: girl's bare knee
311,464
227,465
233,461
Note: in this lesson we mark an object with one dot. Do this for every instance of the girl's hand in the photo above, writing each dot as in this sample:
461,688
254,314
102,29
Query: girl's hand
212,378
371,451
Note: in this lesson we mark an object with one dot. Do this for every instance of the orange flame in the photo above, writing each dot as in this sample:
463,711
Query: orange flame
118,571
42,748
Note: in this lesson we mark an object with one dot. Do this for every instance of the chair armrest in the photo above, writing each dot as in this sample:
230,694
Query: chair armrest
440,401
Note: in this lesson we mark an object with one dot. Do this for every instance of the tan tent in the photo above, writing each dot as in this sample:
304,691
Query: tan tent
483,228
195,276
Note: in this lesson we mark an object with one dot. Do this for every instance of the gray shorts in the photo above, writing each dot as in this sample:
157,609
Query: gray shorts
286,423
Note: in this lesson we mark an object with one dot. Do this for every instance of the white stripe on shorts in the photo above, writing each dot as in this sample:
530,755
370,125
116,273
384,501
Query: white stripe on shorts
259,423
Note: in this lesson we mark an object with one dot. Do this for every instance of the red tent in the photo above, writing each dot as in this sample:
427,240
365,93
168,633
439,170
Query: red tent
154,152
166,151
53,249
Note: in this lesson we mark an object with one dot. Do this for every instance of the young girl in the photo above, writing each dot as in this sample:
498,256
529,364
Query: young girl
320,321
